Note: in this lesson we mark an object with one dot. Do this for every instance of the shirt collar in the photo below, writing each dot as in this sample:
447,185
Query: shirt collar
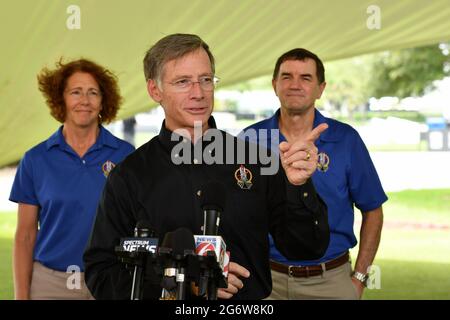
165,135
104,138
331,134
273,121
56,139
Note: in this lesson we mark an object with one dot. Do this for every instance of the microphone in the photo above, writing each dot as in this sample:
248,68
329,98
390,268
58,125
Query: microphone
183,241
177,250
212,202
168,282
210,244
144,241
137,249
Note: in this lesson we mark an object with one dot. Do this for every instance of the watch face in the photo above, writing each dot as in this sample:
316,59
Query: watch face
361,277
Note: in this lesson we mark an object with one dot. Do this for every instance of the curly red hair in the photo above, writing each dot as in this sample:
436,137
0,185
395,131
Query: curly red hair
52,84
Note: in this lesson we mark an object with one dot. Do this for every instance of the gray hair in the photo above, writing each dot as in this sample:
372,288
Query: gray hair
169,48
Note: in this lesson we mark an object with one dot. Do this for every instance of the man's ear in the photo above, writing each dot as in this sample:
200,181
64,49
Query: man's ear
322,88
274,86
153,90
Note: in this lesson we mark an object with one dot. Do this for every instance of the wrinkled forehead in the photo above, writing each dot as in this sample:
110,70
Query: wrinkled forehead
195,62
298,65
81,79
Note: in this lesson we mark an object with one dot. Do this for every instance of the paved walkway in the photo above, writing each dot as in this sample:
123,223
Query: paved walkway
413,170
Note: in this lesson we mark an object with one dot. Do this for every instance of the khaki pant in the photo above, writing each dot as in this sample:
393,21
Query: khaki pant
332,284
48,284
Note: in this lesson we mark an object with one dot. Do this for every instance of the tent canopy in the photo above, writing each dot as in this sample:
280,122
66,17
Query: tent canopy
246,37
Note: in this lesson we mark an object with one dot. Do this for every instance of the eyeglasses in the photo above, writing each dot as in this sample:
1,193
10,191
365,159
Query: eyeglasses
90,94
207,83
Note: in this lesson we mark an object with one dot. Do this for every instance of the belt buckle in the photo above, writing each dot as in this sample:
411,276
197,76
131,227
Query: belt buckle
307,271
290,271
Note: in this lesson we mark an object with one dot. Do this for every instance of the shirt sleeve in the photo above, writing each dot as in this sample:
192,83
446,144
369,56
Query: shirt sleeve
365,187
23,190
299,220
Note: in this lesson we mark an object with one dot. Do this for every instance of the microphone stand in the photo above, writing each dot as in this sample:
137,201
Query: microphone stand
211,227
139,268
181,287
212,289
138,281
136,252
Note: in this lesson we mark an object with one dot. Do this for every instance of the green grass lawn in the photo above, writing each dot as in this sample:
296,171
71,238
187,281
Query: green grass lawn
404,280
413,264
421,146
425,206
6,281
413,259
7,228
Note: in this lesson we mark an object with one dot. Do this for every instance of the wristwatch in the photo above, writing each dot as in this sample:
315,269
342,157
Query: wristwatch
361,277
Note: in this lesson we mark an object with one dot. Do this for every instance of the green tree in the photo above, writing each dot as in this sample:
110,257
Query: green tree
347,82
408,72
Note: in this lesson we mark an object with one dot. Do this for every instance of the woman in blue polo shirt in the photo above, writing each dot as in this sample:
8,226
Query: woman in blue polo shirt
58,182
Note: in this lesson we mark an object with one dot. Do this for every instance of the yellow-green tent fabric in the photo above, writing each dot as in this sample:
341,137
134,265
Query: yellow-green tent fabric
246,36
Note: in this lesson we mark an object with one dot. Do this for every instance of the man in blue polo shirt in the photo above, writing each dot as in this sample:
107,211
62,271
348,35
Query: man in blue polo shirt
345,177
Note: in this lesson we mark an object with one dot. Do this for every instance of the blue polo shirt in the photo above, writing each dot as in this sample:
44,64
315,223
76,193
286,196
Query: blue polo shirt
346,178
66,188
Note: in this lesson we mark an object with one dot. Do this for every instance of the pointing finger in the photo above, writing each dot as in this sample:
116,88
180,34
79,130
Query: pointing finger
316,132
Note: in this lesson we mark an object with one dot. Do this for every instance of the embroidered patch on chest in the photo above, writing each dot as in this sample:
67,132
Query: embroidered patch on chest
107,167
243,177
323,162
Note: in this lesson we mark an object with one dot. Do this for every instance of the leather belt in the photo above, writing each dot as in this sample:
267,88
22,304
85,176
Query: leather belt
309,271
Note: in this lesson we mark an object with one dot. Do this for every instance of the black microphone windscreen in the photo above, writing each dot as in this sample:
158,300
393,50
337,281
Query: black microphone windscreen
167,240
213,196
182,239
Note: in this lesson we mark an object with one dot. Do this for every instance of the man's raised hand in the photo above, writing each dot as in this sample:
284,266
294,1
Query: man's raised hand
299,158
